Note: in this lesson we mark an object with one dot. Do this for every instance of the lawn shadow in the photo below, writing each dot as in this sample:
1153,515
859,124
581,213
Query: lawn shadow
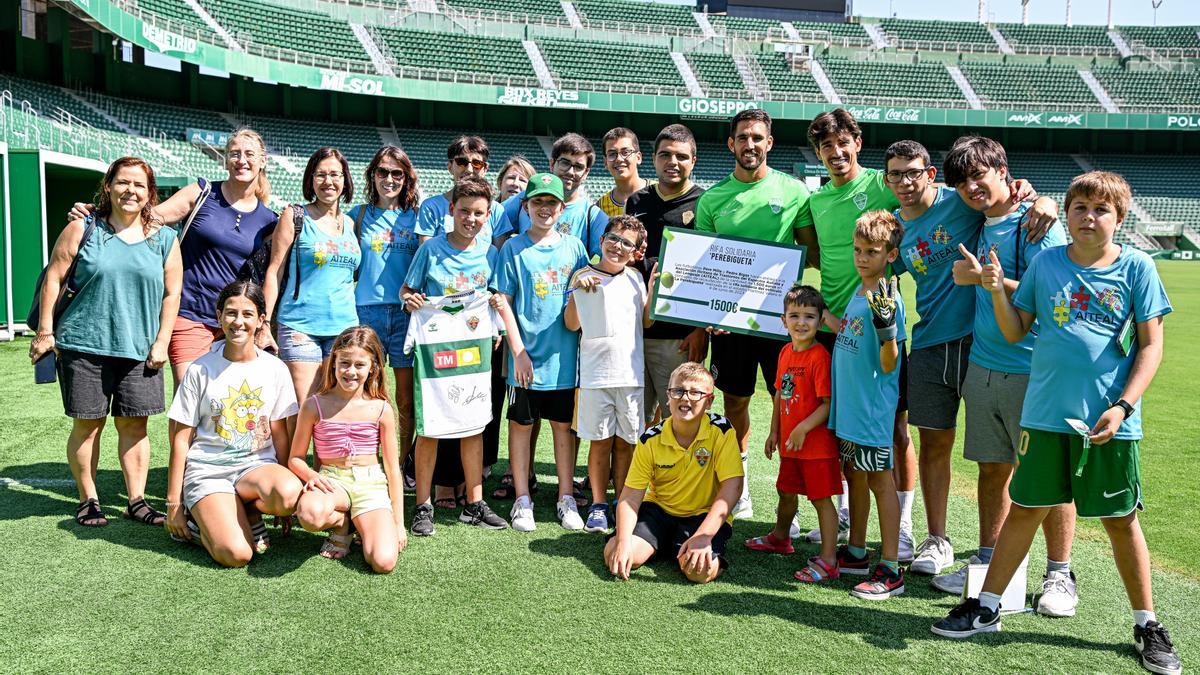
879,627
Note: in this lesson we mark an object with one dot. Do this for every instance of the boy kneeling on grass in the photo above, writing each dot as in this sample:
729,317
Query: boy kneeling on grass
688,469
1089,298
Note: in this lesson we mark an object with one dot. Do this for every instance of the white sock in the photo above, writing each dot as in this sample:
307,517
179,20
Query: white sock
990,601
844,502
906,502
1142,617
745,477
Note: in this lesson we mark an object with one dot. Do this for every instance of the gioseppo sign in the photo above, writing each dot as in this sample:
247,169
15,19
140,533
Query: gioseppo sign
540,98
882,114
350,84
713,106
1043,119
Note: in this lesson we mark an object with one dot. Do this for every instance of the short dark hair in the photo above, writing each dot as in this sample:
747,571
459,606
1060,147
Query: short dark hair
970,153
245,288
310,170
470,187
410,194
749,115
804,296
906,150
464,144
573,144
677,133
832,123
619,132
624,223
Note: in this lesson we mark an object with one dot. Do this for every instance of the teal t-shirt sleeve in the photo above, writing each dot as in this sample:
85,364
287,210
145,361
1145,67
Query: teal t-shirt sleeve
898,266
1026,295
428,219
1055,236
596,227
1149,297
505,271
418,269
497,221
512,213
582,258
493,260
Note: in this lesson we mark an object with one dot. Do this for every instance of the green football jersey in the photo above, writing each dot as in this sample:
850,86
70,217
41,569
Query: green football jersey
767,210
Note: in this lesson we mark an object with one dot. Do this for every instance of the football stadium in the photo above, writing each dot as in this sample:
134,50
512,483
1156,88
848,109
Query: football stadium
176,83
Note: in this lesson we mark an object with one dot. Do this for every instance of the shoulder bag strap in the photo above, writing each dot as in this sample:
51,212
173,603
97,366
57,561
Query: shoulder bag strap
362,212
297,226
205,191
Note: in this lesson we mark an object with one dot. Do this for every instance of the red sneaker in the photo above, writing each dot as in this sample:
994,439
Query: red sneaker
883,584
848,564
771,544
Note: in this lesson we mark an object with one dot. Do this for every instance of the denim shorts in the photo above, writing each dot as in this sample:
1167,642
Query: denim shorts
94,386
390,323
297,346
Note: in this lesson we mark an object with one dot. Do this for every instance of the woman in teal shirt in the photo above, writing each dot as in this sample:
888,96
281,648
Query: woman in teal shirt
314,285
112,340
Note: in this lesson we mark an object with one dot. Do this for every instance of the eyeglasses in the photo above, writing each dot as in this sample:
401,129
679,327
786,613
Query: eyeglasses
332,176
463,162
911,175
623,153
691,394
563,164
618,241
248,155
396,174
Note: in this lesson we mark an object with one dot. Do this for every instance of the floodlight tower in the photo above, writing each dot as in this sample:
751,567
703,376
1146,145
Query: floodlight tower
1025,12
982,11
1068,13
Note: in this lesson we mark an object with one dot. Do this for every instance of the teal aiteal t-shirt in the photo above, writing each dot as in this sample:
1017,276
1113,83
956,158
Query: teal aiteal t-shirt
833,211
388,242
928,252
537,276
770,209
438,268
581,219
434,218
1077,369
1004,236
119,304
863,406
325,305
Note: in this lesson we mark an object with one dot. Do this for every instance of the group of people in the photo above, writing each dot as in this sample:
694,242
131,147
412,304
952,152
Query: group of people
533,293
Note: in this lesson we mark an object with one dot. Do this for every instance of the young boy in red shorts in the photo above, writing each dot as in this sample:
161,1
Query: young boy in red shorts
809,462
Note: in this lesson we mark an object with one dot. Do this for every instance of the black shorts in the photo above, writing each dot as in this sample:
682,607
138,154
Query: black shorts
526,406
937,381
95,386
737,360
666,533
827,340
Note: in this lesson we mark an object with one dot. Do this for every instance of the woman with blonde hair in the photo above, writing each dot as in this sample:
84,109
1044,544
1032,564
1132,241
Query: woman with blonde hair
513,177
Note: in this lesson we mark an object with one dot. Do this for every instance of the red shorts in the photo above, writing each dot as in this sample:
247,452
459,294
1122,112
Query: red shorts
191,340
812,478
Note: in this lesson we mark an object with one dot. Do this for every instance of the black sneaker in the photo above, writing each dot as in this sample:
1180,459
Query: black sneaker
1158,654
967,619
422,523
480,514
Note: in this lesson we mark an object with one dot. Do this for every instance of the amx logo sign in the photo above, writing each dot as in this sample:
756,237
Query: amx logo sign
1026,118
1041,119
350,84
1067,120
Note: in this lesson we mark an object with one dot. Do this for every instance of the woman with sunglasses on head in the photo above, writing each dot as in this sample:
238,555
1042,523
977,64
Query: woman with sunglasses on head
387,236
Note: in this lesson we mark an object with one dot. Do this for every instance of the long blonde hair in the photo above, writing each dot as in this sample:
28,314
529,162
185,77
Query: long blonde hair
262,187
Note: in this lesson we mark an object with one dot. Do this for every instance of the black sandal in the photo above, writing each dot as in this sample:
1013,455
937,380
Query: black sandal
88,514
144,513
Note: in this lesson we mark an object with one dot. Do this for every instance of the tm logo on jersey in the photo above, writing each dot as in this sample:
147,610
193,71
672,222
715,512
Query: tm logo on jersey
1080,305
456,358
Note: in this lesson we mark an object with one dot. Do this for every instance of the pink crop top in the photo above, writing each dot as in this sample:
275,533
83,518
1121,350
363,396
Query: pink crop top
334,440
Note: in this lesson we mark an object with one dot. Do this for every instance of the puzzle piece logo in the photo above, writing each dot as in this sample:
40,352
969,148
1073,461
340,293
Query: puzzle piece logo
378,243
480,279
540,288
915,261
940,235
1061,314
321,254
922,247
856,326
1080,299
1110,299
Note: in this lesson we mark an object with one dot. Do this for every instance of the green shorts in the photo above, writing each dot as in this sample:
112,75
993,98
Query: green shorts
1048,473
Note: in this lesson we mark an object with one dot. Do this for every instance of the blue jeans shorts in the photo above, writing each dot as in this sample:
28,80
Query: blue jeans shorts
390,323
297,346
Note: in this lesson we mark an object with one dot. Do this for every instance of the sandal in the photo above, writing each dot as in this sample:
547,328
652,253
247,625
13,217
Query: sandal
144,513
336,546
508,491
445,502
771,544
88,514
817,571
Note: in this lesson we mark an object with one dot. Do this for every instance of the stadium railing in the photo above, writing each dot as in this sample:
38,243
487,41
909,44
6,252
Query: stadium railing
993,48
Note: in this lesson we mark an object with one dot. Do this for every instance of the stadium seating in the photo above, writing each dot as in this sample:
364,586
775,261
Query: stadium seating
181,14
883,80
456,51
622,12
550,8
610,63
781,77
853,31
1046,35
744,23
1150,88
1049,173
716,71
1162,37
1001,84
938,31
275,26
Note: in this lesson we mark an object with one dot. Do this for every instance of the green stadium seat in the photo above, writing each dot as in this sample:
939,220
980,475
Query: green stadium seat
1047,35
551,8
852,31
1153,89
717,72
1161,37
622,12
457,51
781,78
274,26
939,31
610,63
1001,84
180,14
875,79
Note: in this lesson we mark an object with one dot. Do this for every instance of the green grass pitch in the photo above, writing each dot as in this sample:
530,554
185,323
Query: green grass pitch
126,598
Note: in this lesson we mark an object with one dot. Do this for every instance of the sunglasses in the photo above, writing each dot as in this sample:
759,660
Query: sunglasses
463,162
396,174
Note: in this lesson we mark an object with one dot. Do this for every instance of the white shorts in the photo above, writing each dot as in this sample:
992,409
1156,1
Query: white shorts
604,413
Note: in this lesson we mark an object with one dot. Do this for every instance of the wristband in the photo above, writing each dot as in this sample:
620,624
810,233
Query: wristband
886,334
1124,406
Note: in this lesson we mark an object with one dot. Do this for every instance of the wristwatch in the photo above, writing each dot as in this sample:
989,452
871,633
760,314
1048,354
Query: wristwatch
1124,406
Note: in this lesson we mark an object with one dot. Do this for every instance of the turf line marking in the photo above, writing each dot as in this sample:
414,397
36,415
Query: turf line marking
36,482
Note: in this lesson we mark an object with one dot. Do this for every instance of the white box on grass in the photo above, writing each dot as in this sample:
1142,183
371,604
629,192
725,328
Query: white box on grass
1013,598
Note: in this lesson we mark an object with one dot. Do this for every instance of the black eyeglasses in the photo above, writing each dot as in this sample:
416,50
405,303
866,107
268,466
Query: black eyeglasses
619,241
691,394
623,153
477,164
396,174
900,176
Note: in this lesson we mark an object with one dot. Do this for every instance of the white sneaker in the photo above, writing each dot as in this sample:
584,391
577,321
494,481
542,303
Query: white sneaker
1058,595
568,514
814,535
743,509
794,531
906,546
953,582
521,515
933,555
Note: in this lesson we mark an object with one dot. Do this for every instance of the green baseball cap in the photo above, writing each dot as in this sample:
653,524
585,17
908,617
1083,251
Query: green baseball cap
545,184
